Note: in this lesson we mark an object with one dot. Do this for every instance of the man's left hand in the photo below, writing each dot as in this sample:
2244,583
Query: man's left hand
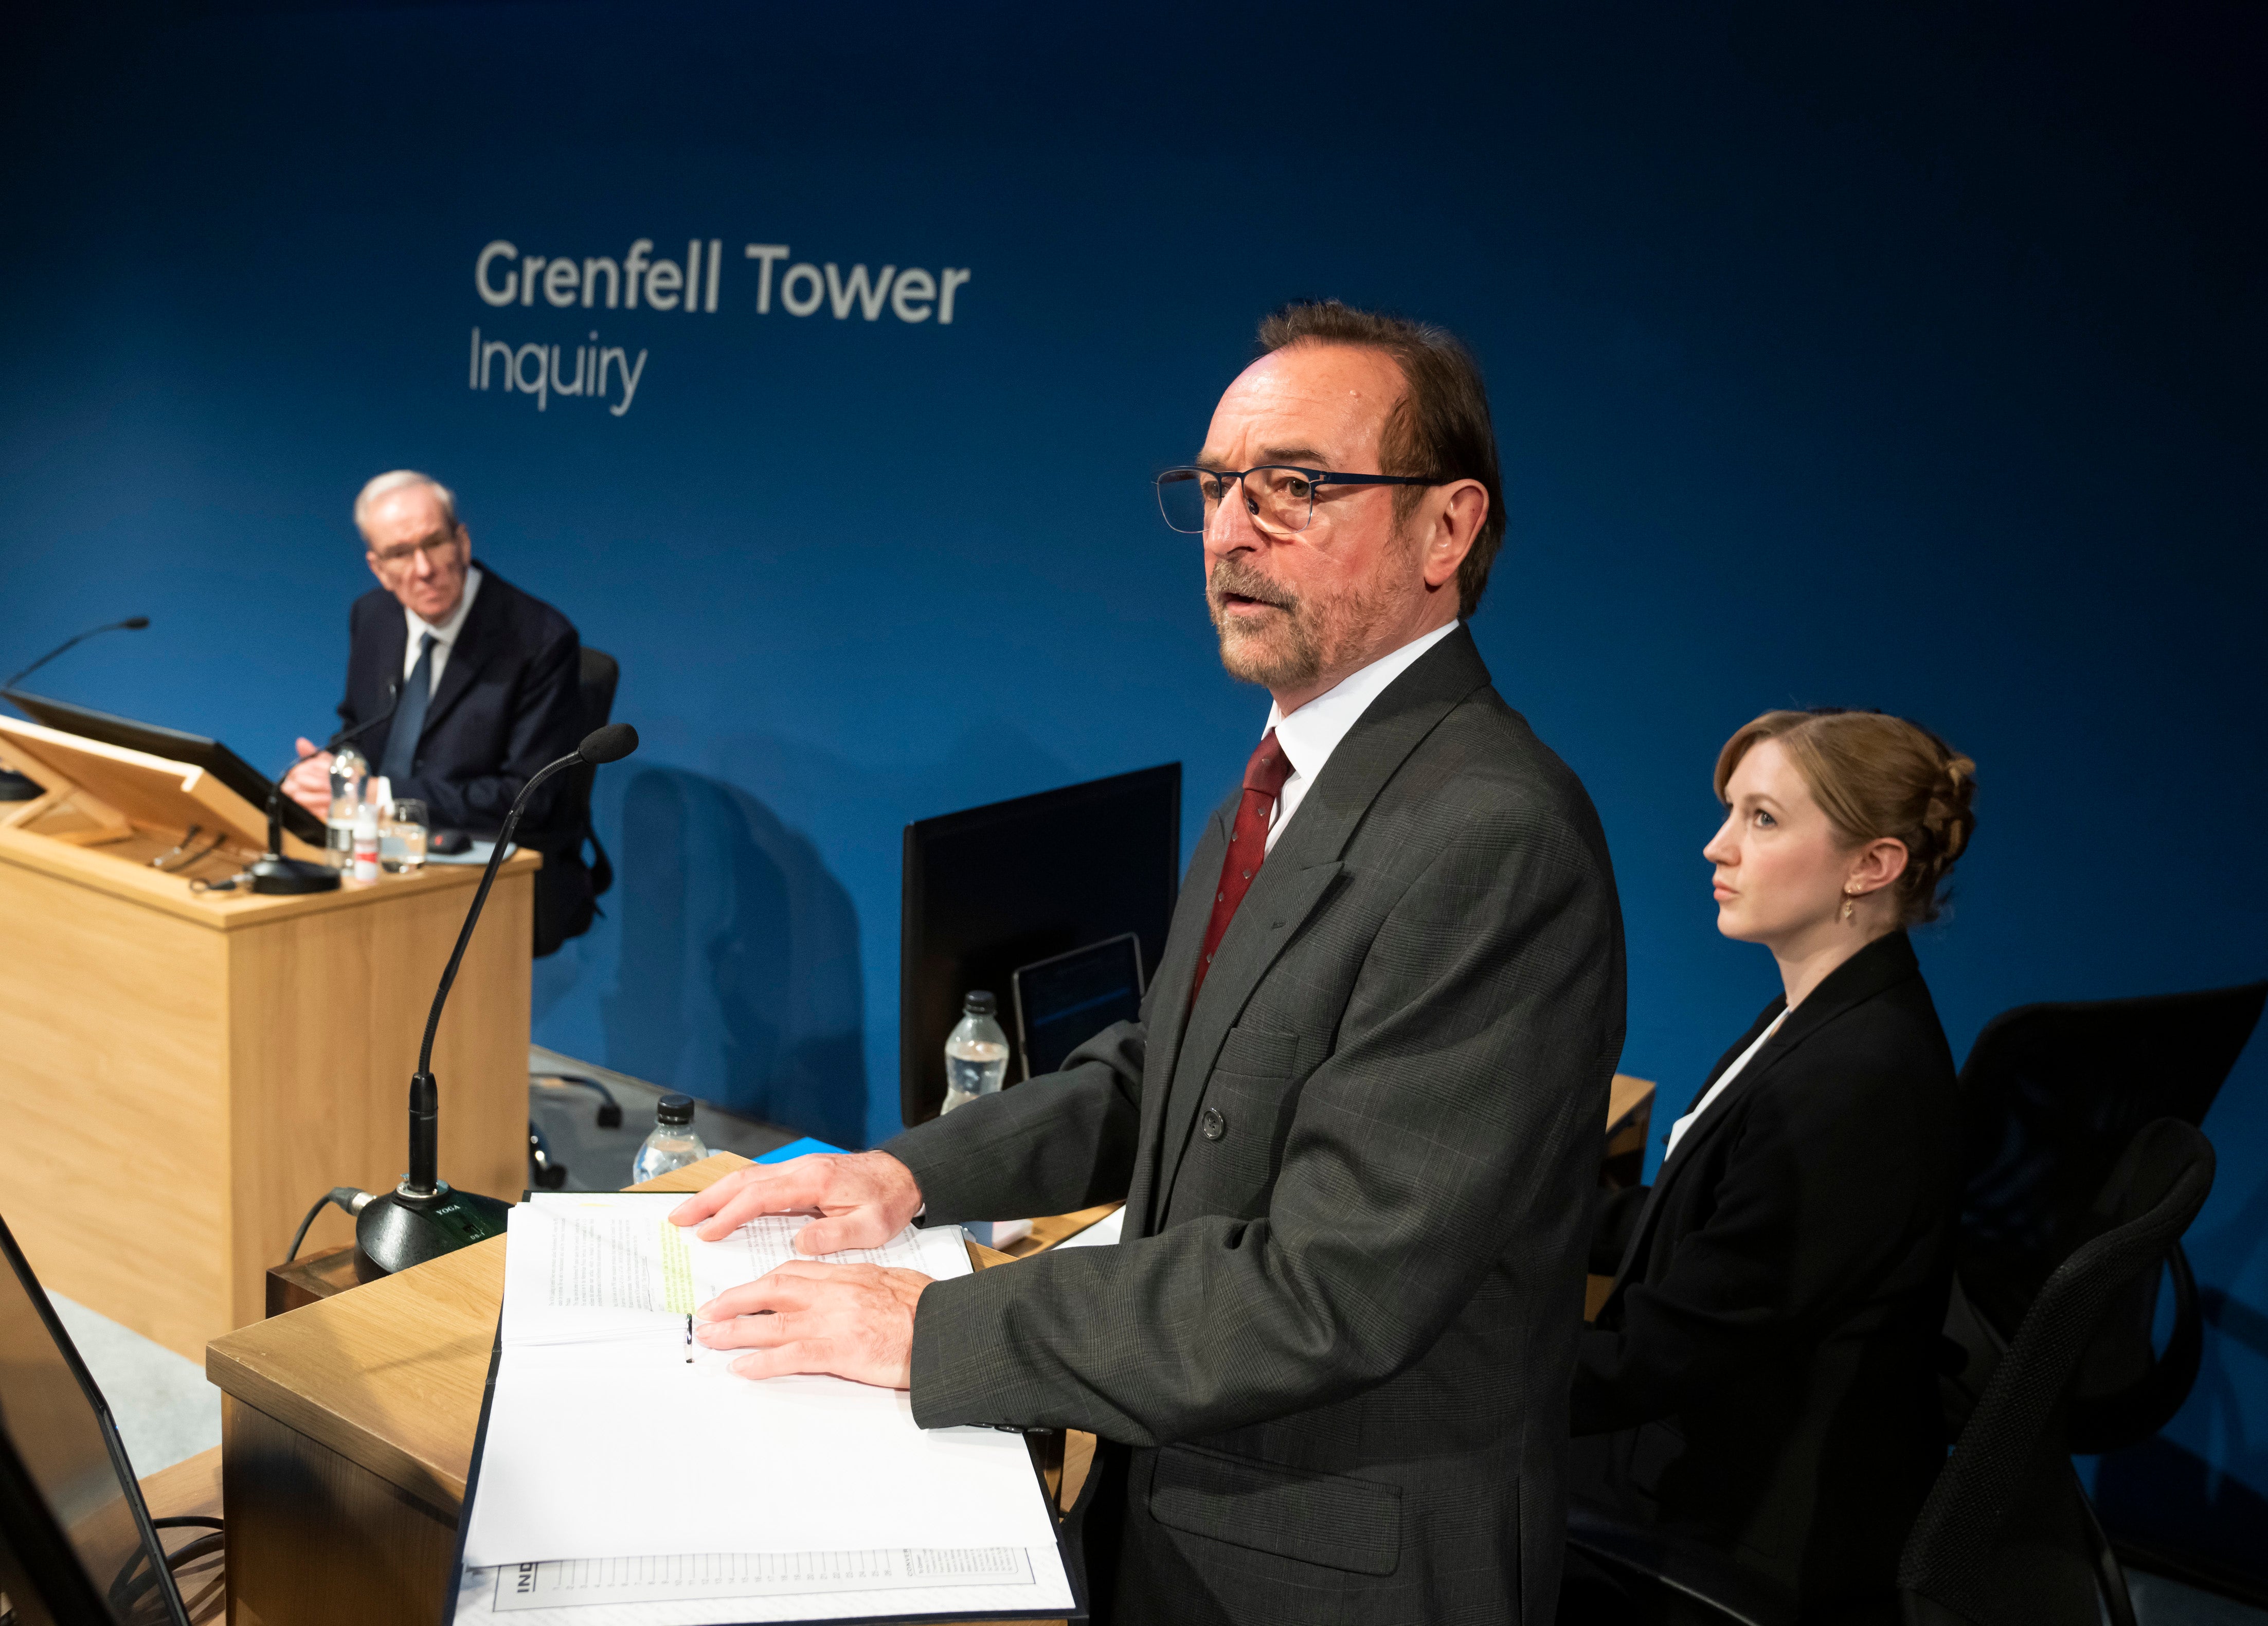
853,1321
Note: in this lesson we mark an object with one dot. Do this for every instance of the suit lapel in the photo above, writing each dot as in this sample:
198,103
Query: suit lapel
1169,1003
1881,965
468,653
1299,872
1673,1167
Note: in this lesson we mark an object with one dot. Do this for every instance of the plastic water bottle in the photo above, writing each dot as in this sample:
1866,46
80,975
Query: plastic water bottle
366,844
673,1143
347,772
976,1055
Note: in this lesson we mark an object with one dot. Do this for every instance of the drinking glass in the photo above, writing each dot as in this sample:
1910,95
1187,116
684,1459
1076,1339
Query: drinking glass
402,837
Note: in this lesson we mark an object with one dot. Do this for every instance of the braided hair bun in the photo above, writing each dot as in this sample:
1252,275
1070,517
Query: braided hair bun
1875,777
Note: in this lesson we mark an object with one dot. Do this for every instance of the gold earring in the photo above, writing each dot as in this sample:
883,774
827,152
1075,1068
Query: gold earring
1849,904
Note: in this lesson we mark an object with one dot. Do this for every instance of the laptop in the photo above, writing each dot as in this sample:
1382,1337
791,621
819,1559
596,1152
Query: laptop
75,1540
1063,1001
174,745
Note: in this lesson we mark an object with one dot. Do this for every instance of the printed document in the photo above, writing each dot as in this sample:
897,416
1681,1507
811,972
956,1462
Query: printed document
627,1476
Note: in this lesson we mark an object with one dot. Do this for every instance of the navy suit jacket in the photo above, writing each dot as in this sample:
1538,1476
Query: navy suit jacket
508,702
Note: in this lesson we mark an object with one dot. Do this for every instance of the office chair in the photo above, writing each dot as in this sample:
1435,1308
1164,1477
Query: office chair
564,907
2051,1098
561,914
2007,1535
1677,1578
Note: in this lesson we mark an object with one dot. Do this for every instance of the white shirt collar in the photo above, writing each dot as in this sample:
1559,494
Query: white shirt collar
445,630
1309,735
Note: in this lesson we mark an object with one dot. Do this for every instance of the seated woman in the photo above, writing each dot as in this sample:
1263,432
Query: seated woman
1763,1379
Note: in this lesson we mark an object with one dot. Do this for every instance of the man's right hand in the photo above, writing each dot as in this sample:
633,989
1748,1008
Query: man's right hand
309,781
863,1199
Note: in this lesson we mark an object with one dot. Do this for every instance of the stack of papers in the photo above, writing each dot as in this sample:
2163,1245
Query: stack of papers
626,1478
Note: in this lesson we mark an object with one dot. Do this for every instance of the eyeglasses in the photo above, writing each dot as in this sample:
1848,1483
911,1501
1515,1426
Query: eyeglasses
437,548
1281,500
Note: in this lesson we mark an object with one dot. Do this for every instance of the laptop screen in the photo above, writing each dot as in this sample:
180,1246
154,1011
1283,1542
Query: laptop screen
66,1454
1063,1001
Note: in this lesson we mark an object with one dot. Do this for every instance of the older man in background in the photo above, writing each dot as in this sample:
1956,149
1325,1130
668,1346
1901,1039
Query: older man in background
479,684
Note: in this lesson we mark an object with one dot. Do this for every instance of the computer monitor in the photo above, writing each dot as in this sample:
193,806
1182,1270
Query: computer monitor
1065,999
75,1540
171,744
1006,886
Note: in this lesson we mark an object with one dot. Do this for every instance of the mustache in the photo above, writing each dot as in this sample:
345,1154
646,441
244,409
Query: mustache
1234,575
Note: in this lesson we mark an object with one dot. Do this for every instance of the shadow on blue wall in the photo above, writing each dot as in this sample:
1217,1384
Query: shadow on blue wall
739,979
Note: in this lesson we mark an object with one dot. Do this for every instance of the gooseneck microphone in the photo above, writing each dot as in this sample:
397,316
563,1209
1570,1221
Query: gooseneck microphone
132,623
16,787
424,1217
272,873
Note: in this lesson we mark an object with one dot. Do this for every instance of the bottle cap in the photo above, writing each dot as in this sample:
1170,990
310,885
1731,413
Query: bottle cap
673,1109
366,821
979,1003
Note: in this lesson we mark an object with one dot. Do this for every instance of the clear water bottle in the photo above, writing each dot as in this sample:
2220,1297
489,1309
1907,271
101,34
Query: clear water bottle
348,773
673,1143
976,1055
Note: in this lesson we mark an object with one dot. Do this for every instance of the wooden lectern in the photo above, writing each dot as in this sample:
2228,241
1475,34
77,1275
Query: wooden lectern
226,1059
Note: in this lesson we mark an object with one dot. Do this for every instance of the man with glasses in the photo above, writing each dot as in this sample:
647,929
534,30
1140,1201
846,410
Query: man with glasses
1357,1123
478,682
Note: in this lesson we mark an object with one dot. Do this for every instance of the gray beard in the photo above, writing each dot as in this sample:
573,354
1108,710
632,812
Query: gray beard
1288,655
1315,632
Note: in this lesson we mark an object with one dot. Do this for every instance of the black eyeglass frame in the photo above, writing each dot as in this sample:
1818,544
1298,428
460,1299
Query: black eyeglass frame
1315,477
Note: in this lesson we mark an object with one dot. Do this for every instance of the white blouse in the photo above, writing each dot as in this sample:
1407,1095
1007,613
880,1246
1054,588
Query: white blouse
1677,1129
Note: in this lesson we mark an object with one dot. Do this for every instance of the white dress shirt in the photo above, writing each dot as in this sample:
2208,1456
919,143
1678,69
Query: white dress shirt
445,632
1309,735
1677,1129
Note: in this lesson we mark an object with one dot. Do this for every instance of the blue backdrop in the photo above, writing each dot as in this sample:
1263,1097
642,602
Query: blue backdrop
1909,361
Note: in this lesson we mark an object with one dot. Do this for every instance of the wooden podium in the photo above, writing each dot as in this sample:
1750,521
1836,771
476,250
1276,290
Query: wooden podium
228,1058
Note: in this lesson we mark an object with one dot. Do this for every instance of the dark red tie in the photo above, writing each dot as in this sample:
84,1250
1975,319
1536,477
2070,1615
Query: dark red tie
1247,845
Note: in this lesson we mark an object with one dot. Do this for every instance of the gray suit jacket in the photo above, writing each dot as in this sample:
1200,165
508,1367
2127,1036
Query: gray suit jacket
1338,1334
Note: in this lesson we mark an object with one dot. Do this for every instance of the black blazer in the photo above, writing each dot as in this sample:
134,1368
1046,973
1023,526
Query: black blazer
508,702
1332,1348
1764,1369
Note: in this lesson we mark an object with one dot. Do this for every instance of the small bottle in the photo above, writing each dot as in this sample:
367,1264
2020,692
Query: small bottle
673,1143
347,772
365,843
976,1054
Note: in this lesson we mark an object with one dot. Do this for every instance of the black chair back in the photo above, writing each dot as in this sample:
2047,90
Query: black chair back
2006,1534
2052,1097
600,676
567,893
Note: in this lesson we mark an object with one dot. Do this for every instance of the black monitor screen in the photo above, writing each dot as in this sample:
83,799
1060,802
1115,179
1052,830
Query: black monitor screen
1006,886
174,745
63,1472
1062,1002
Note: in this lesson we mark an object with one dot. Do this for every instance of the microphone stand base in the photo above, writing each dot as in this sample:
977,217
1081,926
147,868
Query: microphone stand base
292,876
402,1228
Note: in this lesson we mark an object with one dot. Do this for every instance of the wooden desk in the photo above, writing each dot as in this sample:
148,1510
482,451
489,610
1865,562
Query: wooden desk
347,1435
348,1423
1630,1119
234,1057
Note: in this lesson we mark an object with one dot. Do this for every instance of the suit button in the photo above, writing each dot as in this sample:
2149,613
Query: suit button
1212,1126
